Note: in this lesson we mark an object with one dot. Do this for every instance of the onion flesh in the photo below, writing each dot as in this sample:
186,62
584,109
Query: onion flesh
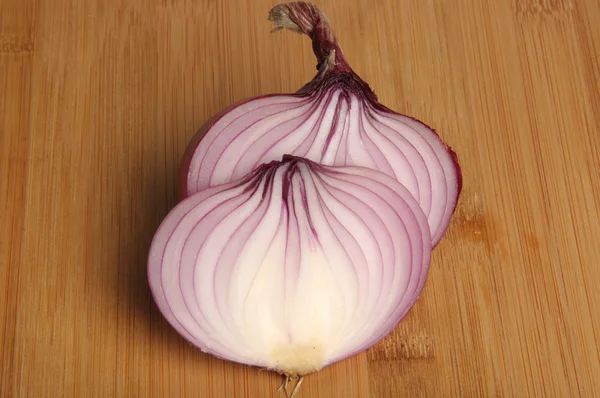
292,267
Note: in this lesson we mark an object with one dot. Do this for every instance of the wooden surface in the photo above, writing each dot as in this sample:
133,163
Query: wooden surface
98,100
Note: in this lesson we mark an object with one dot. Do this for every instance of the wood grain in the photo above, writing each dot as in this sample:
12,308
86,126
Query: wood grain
99,98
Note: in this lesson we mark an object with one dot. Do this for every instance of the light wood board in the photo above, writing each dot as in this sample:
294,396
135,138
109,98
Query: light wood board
98,99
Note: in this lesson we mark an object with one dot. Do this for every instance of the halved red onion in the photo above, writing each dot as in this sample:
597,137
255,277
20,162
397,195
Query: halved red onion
292,267
333,120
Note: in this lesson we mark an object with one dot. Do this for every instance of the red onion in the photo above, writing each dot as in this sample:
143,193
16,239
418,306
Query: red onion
292,267
307,220
334,120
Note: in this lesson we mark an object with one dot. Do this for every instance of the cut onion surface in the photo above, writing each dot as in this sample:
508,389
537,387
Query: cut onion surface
293,267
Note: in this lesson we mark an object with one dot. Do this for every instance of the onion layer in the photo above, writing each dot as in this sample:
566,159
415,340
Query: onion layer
335,120
292,267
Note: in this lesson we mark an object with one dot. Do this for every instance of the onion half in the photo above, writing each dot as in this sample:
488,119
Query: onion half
335,120
293,267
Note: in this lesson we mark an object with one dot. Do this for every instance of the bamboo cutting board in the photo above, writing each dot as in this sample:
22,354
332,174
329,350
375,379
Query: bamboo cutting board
98,99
